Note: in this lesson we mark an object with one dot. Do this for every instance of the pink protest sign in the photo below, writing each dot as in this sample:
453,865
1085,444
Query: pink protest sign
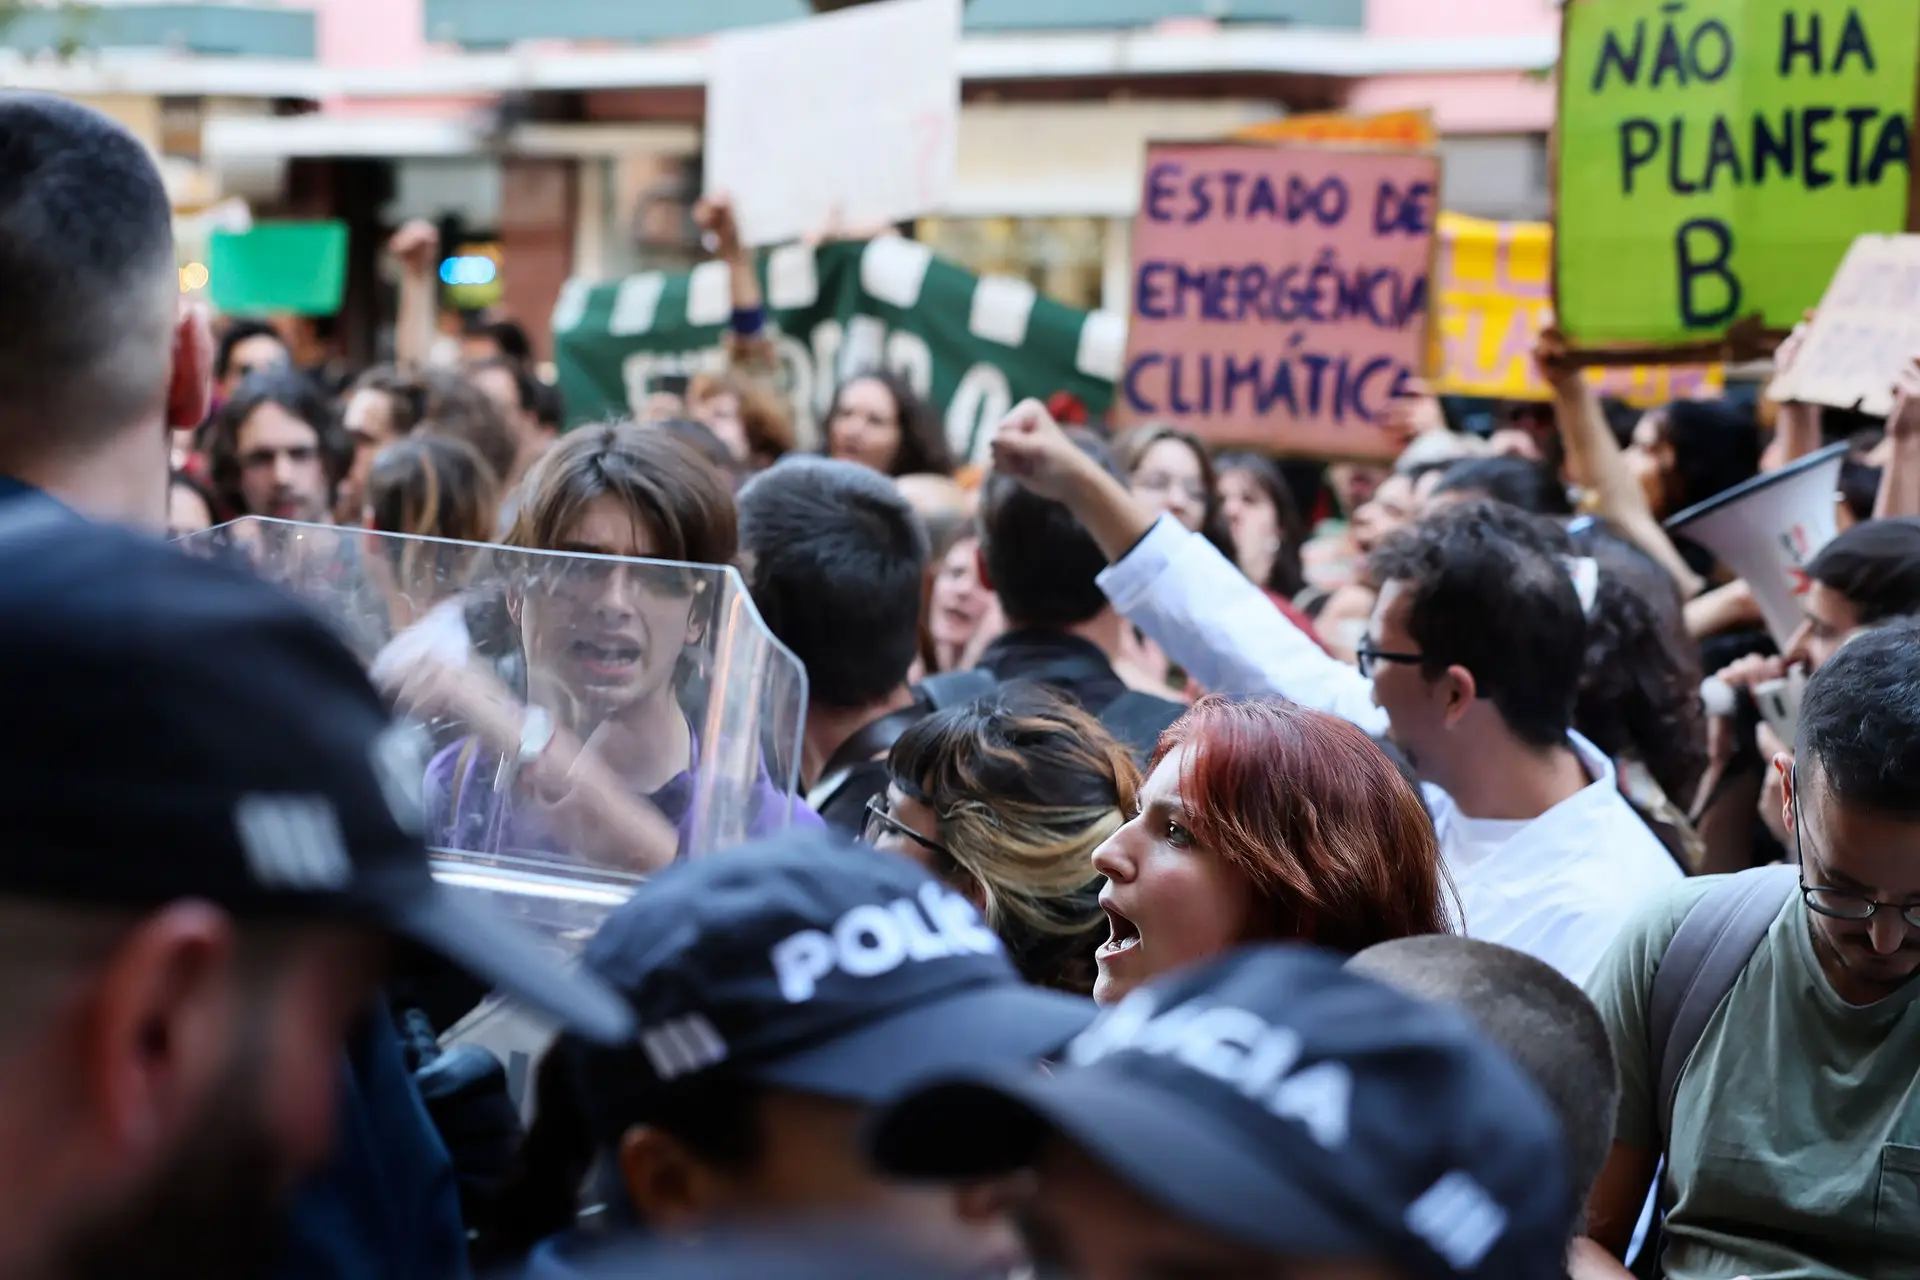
1280,294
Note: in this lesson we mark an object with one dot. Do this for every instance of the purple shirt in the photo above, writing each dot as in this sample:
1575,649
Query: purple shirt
491,821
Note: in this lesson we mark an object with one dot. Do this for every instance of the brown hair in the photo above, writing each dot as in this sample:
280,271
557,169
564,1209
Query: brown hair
405,393
458,409
428,486
679,498
763,416
1334,840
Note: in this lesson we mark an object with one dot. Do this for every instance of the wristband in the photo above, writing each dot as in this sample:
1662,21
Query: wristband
748,321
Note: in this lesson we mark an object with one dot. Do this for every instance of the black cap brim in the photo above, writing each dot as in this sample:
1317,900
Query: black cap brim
496,951
1187,1159
980,1028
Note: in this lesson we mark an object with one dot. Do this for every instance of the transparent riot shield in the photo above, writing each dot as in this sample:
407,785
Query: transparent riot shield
579,720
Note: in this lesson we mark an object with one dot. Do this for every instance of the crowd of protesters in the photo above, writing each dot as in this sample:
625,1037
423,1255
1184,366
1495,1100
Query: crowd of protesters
1199,865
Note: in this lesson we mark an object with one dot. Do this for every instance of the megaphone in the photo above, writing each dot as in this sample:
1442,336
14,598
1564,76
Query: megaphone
1768,528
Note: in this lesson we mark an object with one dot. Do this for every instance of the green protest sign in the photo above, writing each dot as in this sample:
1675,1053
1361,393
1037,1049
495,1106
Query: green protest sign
973,345
297,268
1716,160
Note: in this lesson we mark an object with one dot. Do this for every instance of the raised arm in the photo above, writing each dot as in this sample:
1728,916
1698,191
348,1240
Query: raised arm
1597,464
1176,586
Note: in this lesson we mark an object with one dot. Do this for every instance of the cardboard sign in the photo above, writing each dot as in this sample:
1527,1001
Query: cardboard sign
1280,294
1715,161
853,115
1867,331
1495,286
1407,130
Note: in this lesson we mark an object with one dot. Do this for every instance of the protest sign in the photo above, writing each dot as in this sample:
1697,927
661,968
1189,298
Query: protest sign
1715,161
1867,330
972,345
1494,289
1280,294
1406,130
851,115
291,268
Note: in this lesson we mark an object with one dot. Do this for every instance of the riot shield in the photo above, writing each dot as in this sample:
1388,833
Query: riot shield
580,719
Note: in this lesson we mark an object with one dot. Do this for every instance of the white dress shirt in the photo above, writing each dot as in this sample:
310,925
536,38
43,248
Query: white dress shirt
1557,887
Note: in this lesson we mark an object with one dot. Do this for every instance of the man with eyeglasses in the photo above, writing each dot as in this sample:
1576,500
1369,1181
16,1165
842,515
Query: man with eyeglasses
1794,1144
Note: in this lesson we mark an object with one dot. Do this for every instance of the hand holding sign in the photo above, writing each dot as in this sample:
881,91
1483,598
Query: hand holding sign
1903,424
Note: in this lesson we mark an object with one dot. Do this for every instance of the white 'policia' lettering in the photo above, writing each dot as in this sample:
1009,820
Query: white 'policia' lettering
1235,1047
874,938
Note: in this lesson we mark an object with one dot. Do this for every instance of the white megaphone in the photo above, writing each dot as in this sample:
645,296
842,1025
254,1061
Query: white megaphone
1768,528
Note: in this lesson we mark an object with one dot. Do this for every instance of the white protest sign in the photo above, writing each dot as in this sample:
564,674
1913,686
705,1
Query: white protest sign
1866,331
854,114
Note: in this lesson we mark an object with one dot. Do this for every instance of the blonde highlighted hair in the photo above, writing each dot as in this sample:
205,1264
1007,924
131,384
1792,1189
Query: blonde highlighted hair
1026,786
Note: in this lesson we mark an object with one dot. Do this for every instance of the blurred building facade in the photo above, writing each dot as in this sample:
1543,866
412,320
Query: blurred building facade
562,138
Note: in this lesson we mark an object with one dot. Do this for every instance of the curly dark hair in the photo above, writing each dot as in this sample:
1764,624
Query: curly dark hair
1640,679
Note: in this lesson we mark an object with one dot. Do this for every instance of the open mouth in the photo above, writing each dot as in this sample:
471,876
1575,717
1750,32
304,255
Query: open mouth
610,658
1123,935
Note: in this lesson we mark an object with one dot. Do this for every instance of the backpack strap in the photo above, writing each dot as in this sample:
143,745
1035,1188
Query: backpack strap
1707,954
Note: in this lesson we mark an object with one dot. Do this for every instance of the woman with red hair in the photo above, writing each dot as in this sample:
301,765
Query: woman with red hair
1261,820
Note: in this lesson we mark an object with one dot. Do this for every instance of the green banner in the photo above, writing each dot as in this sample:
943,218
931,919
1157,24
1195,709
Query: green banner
973,345
297,268
1716,160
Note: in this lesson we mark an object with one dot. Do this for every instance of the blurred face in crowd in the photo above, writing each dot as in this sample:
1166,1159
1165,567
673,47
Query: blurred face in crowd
1168,901
369,423
611,633
282,473
959,599
812,1162
181,1089
865,426
500,386
252,355
1649,457
720,414
1354,482
1829,618
1861,857
1086,1223
1251,518
1390,508
1169,479
187,511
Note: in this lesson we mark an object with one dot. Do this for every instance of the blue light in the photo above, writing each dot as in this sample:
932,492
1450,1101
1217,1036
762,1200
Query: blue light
473,269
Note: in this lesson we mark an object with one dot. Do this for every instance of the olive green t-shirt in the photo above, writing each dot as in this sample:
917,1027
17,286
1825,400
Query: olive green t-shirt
1796,1124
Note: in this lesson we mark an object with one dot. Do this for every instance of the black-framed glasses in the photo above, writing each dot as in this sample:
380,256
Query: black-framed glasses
1839,904
1369,657
880,823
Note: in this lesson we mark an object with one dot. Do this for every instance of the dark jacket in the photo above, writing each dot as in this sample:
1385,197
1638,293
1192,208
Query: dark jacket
1078,669
387,1207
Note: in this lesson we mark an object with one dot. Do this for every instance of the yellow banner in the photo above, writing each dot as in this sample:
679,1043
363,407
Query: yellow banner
1495,294
1412,129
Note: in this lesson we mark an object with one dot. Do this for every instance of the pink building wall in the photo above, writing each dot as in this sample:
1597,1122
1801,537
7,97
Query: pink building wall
378,33
1500,103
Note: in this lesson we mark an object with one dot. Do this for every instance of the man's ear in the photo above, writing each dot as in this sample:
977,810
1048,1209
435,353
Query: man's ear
1789,795
190,388
1461,690
980,565
672,1189
158,1032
